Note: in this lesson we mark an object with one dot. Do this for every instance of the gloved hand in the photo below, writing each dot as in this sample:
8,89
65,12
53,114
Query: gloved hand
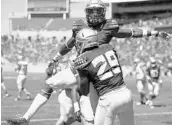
51,69
165,35
77,116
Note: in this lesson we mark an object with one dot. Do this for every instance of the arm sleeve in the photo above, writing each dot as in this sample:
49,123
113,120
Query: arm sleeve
135,33
66,47
122,33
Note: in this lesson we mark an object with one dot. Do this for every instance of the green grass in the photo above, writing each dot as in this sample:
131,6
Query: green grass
160,115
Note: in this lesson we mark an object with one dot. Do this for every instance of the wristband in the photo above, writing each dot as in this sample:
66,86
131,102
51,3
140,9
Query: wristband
76,107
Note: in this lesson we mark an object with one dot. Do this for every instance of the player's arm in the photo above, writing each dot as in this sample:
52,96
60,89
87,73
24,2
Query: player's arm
65,48
137,32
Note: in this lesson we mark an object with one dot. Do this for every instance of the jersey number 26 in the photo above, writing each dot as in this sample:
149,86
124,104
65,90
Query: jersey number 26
109,65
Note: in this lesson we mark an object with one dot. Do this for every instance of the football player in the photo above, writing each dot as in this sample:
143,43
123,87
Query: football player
64,97
3,84
21,69
100,65
169,72
140,80
154,81
105,29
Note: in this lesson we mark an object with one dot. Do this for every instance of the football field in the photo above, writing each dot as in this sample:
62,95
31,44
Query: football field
49,113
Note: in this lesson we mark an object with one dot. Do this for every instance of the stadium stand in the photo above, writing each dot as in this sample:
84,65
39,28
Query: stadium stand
38,38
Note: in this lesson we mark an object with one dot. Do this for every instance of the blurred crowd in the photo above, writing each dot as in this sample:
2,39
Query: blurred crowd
41,49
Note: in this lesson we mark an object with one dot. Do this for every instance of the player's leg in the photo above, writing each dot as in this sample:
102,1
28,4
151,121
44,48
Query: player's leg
126,116
88,103
150,94
117,101
140,89
66,108
19,87
24,89
4,88
86,110
101,113
3,85
157,86
170,76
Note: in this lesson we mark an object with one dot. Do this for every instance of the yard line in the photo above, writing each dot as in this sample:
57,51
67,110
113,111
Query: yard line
10,77
154,113
141,114
16,106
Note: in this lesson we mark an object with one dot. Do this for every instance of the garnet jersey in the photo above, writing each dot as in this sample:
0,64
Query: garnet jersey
153,72
104,32
102,67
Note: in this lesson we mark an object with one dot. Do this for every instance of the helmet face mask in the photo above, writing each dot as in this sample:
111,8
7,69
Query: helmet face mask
95,12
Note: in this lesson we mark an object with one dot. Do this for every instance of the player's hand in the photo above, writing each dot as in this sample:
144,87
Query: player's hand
52,63
51,70
17,121
77,116
165,35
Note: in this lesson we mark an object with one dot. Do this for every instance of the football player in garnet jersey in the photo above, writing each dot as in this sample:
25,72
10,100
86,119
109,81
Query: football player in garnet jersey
105,30
154,81
100,65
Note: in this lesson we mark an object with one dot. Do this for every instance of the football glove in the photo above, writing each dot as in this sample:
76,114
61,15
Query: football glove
77,116
17,121
164,35
51,70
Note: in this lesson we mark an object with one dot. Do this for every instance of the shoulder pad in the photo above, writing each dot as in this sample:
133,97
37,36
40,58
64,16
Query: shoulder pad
111,24
79,24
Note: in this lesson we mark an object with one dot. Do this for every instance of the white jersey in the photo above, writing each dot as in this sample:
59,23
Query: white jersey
140,71
22,67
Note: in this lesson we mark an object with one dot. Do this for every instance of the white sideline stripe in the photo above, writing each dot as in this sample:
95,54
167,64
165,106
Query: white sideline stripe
142,114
